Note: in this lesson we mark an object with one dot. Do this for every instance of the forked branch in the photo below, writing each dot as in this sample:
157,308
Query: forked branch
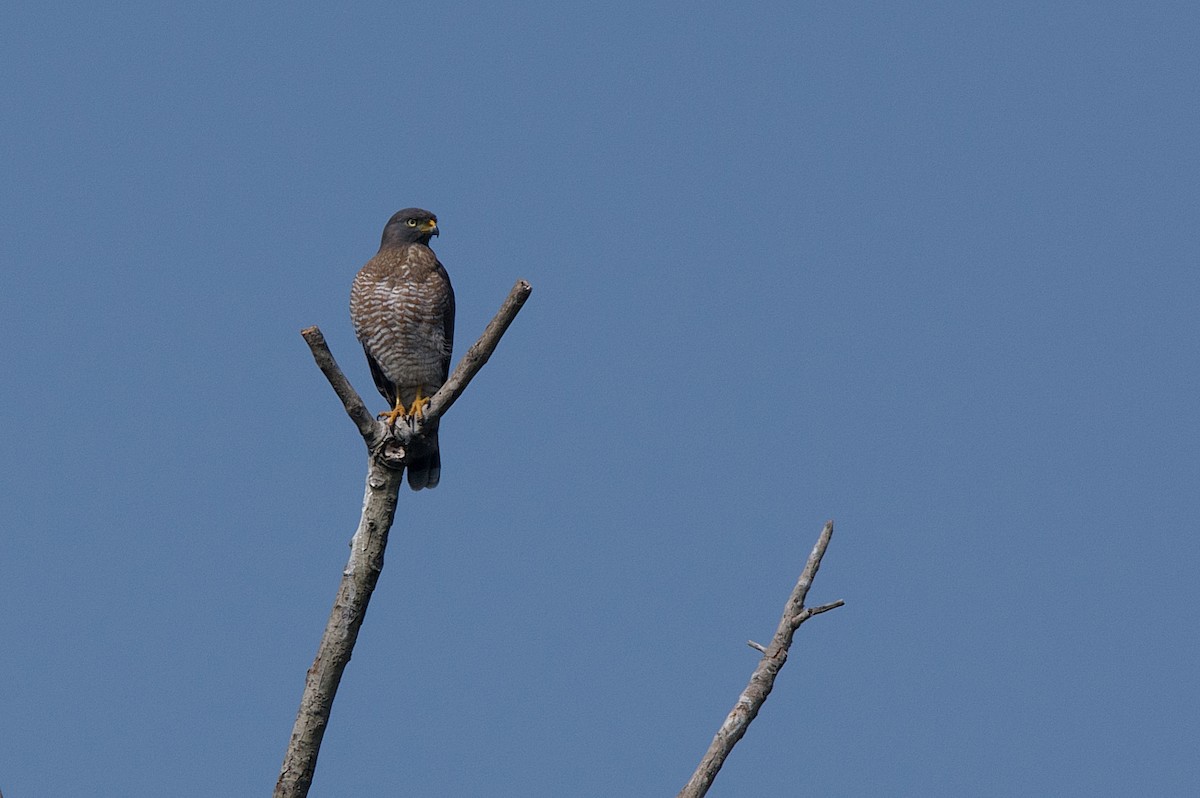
763,678
374,432
387,452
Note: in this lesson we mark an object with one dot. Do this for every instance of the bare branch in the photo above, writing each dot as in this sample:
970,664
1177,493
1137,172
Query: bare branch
387,455
478,354
368,427
763,678
833,605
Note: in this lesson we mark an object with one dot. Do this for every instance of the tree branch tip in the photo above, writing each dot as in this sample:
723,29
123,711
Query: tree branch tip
809,612
315,339
756,646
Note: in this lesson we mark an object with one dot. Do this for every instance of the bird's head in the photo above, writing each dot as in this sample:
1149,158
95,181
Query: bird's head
410,226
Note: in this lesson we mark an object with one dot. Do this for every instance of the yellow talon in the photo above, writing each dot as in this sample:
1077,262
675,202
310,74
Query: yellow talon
393,414
416,410
418,405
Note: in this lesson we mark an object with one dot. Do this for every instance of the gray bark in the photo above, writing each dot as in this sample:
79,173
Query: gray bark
341,631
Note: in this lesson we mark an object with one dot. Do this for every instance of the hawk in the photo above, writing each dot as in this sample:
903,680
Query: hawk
402,307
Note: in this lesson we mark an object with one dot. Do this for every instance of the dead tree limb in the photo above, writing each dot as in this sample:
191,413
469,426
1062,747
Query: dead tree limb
763,679
387,454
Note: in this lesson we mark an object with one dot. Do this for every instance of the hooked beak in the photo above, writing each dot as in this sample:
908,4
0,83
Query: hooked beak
431,227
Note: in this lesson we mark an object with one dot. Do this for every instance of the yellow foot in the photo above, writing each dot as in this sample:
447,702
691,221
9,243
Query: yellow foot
418,405
393,414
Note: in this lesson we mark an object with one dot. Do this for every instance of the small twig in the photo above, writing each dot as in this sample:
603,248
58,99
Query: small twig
811,611
387,451
763,678
756,646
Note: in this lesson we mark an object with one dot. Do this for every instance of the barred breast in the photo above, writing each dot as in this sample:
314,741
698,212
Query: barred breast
399,304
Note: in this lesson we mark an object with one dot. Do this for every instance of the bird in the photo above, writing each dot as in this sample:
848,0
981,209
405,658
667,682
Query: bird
402,308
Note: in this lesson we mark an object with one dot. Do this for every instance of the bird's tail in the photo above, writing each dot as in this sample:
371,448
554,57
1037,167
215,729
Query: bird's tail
426,472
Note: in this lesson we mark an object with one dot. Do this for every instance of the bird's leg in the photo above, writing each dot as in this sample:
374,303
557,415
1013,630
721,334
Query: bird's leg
394,413
418,405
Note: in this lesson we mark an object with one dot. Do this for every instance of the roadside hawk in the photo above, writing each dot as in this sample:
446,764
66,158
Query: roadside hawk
402,307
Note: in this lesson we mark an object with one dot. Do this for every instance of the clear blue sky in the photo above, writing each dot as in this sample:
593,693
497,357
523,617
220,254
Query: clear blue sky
930,270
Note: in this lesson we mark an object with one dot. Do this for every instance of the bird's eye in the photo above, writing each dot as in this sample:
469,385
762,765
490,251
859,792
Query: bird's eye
411,222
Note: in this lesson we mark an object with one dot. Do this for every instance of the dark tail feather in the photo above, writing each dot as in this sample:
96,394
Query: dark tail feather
427,472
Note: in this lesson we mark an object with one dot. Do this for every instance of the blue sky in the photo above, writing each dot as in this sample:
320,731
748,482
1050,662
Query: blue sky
929,270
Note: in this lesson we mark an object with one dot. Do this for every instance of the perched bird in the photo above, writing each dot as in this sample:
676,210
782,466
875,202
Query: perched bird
402,307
